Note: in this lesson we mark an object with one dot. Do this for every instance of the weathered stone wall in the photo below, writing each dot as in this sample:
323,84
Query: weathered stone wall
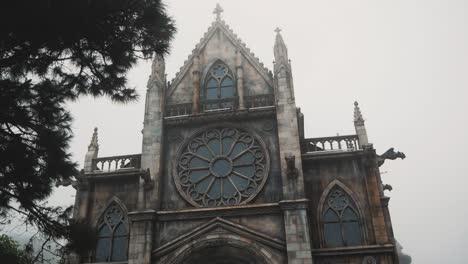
264,128
218,47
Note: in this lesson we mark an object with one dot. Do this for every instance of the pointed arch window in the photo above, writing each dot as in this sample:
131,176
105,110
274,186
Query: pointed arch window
340,220
219,85
112,244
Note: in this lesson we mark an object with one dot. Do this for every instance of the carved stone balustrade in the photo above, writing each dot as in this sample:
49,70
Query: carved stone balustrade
125,162
261,100
179,109
344,143
219,104
253,101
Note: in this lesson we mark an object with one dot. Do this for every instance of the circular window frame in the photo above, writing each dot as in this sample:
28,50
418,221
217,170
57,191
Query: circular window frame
198,133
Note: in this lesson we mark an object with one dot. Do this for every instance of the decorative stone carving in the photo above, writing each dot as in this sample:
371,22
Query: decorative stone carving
147,181
369,260
221,166
391,155
387,187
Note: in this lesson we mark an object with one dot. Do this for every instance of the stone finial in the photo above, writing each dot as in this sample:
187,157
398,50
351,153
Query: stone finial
280,49
217,11
94,141
360,127
358,119
158,69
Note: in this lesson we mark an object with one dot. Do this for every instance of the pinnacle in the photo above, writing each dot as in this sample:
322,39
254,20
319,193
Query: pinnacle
357,113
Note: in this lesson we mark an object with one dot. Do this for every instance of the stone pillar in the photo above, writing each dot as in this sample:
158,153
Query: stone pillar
92,153
141,236
359,126
294,206
196,85
240,80
153,132
297,231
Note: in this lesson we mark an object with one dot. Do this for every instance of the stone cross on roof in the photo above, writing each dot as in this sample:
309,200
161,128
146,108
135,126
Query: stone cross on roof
218,10
277,30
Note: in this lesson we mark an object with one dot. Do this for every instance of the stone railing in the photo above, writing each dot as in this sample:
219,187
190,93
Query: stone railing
179,109
217,104
346,143
253,101
261,100
114,163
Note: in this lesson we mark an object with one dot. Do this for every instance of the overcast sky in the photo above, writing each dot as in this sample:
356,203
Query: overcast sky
405,61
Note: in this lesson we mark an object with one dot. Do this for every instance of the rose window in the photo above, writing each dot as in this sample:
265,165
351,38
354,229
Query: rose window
221,166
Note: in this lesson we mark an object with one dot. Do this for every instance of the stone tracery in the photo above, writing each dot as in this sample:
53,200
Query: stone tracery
221,166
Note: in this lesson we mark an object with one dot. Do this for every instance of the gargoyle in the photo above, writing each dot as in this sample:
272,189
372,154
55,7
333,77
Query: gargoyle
291,170
387,187
148,182
391,155
79,181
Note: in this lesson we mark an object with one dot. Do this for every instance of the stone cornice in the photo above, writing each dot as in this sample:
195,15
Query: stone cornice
226,115
320,155
357,250
294,204
147,215
121,173
203,213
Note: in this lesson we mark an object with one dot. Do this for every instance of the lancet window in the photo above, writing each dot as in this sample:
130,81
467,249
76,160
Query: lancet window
112,244
219,85
340,220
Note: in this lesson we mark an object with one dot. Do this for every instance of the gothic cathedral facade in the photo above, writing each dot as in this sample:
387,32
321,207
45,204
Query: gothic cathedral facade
227,176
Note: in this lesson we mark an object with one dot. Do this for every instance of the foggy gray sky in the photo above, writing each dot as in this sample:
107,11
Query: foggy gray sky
405,61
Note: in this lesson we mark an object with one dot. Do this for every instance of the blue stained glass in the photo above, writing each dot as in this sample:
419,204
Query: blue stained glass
238,148
214,146
247,171
197,162
119,249
222,167
204,152
121,230
227,88
352,233
211,94
246,158
240,182
349,215
232,176
103,249
227,143
215,191
105,231
197,175
229,190
203,185
333,235
330,216
212,83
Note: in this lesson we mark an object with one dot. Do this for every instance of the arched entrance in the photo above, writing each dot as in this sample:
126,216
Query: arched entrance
221,252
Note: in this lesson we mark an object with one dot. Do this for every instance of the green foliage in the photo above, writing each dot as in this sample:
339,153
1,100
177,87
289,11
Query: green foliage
51,52
10,252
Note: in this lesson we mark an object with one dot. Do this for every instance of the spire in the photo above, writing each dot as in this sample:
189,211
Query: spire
92,153
359,126
158,69
94,141
217,11
358,119
280,49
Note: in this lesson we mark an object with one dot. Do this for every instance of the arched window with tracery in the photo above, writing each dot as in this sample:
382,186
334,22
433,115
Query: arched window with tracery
112,244
340,220
219,85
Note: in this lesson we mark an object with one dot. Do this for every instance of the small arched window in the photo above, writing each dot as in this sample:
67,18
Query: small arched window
340,220
219,84
112,244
